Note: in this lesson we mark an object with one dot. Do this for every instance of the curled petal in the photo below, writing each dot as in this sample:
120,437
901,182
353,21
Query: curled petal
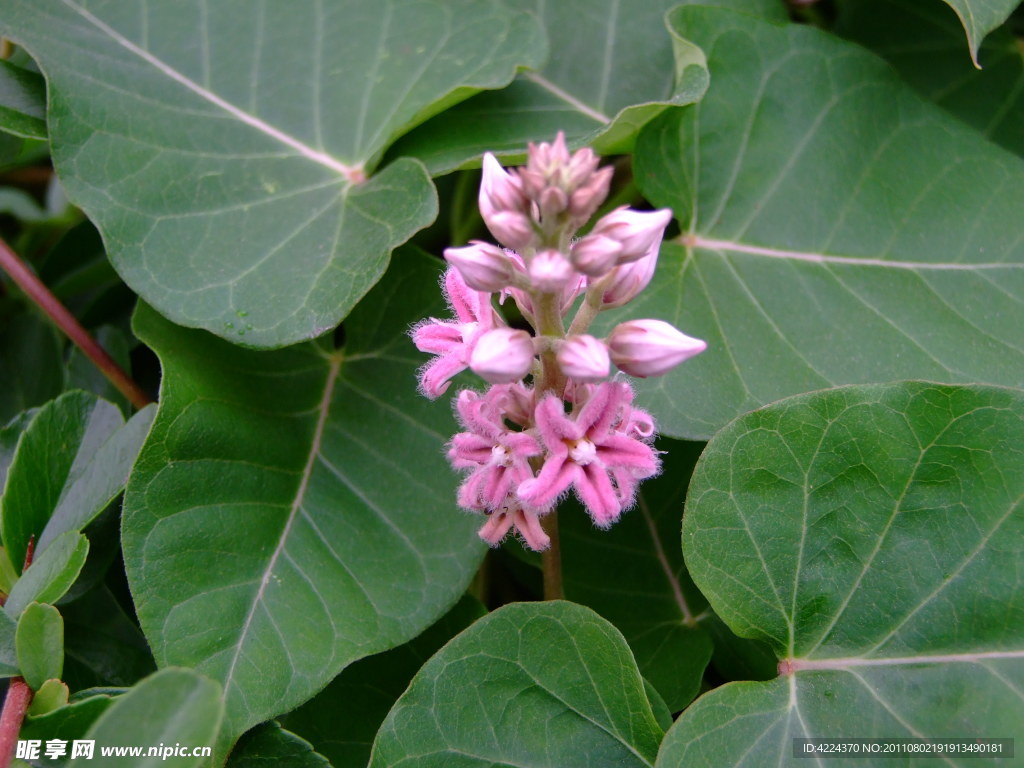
595,490
554,426
436,376
552,481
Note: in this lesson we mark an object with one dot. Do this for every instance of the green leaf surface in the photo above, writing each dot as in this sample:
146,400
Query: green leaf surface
51,696
39,641
69,722
71,462
22,102
31,364
292,511
51,574
874,536
9,436
633,575
343,719
8,646
173,706
837,229
613,67
269,746
83,374
193,128
980,17
102,646
531,684
924,42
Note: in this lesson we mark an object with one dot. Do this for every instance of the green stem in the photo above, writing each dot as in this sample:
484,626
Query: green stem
551,558
58,313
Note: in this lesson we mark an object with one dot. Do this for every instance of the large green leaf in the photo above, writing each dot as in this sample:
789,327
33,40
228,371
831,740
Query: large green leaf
223,148
613,66
343,719
169,708
980,17
874,536
925,42
531,684
292,511
72,460
837,228
633,575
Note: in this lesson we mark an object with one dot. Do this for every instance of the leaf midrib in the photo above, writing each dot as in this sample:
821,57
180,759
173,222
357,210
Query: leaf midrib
323,408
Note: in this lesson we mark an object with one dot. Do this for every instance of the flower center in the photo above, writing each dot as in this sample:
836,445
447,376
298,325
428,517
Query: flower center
500,456
583,452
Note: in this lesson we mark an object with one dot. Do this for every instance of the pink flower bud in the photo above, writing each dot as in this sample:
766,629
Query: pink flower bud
511,229
627,280
550,271
502,355
587,198
650,347
499,190
595,254
637,232
584,358
484,267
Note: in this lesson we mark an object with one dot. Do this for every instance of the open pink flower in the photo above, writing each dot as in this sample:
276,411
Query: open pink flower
498,455
453,340
596,451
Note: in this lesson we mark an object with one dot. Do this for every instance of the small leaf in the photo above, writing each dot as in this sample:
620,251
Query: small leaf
269,745
633,575
52,695
39,641
171,707
838,229
292,511
529,684
50,575
278,148
874,536
22,102
343,719
72,460
69,722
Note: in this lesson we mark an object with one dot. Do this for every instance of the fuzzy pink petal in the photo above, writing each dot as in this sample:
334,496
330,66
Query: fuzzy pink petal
468,451
469,492
594,409
437,336
461,298
436,375
554,478
619,395
522,445
595,490
496,487
620,451
494,530
554,425
529,526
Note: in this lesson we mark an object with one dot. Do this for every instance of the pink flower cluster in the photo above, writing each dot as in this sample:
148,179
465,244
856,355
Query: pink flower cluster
551,421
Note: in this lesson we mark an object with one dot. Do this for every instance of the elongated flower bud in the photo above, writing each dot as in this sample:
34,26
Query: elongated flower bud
483,266
511,229
550,271
595,254
502,355
584,358
637,232
627,280
500,190
650,347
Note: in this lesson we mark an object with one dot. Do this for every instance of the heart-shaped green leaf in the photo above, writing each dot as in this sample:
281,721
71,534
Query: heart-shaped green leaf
545,684
169,709
874,536
292,511
50,575
633,575
848,231
223,149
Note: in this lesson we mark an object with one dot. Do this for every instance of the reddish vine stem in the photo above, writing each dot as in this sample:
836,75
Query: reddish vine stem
19,695
45,300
